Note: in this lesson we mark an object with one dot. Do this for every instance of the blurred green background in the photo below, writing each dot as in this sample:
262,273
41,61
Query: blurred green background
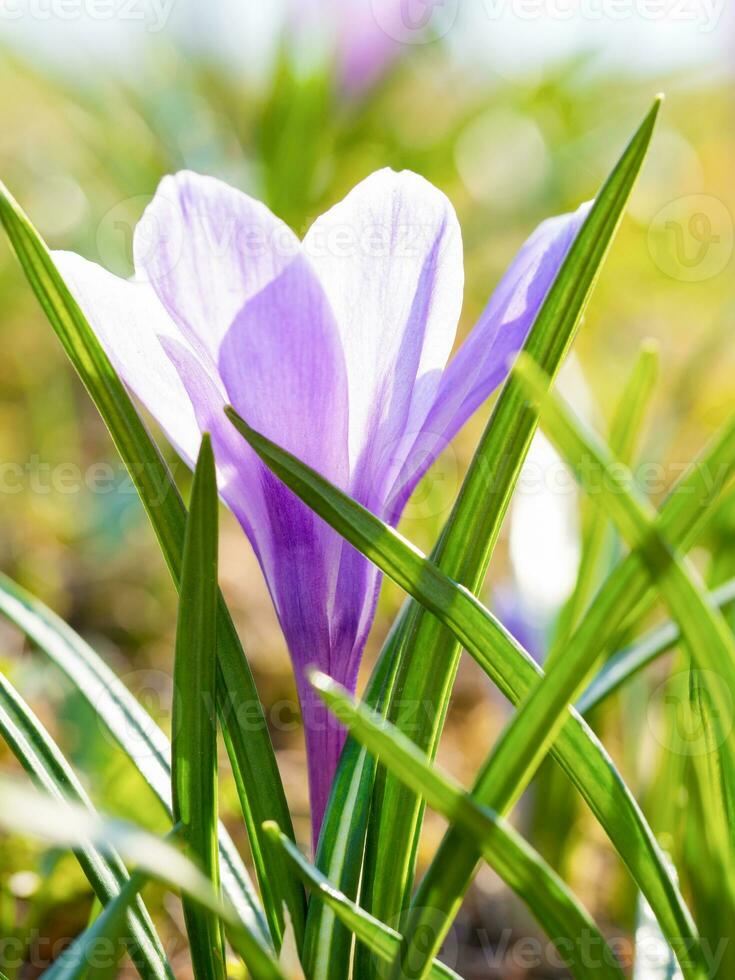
516,120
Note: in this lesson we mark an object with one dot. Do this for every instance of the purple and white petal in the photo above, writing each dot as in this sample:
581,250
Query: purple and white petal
282,365
130,323
283,369
484,359
206,249
390,260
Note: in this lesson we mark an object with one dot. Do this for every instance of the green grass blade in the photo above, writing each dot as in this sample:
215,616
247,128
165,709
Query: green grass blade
633,404
194,721
515,756
713,770
510,667
625,429
553,828
107,930
548,898
28,812
468,540
251,753
42,759
645,651
627,594
703,627
529,736
328,942
127,722
375,935
527,739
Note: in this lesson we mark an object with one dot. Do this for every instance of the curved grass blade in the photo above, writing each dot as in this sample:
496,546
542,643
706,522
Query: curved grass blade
530,734
703,628
328,943
194,720
548,898
468,540
634,402
466,547
251,753
624,432
716,788
44,762
501,778
553,831
64,824
127,722
645,651
375,935
107,928
512,669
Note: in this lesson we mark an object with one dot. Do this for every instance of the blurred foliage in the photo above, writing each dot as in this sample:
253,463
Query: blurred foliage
84,156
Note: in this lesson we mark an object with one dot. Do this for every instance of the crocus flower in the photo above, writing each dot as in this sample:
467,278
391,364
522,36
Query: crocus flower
335,347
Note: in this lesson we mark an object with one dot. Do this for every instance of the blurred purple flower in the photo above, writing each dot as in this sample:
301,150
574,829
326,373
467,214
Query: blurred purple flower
365,37
336,348
512,612
369,42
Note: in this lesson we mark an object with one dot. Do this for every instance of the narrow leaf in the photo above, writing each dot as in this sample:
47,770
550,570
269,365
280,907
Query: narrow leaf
468,540
548,898
42,759
509,666
328,943
28,812
704,629
194,723
625,429
645,651
107,929
375,935
127,722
